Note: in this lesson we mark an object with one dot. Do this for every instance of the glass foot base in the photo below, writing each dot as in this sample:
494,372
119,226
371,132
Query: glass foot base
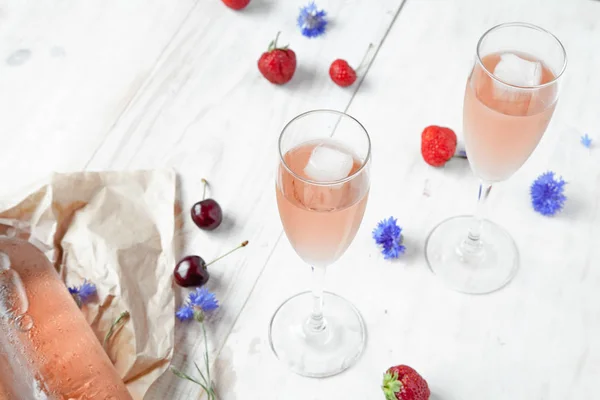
317,354
488,269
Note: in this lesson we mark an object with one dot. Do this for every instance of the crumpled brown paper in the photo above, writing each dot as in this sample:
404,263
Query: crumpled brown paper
115,229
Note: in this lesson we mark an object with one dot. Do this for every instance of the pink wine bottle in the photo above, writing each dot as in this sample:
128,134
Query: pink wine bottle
47,349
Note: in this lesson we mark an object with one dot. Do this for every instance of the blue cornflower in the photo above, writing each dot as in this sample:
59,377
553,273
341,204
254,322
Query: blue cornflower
185,313
198,303
547,195
86,291
586,141
312,21
204,300
389,235
83,293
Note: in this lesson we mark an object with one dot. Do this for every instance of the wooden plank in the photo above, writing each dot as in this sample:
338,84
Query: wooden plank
507,345
67,71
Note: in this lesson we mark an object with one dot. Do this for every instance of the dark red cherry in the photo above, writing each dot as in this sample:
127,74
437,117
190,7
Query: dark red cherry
191,271
207,213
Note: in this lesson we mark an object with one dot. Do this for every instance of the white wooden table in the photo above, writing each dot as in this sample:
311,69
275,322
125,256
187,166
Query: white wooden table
98,85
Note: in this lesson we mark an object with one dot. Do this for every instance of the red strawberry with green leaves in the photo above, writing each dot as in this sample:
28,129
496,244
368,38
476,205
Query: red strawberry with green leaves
236,4
277,64
438,145
404,383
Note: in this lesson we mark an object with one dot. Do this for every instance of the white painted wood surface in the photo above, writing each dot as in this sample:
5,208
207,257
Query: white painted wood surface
153,84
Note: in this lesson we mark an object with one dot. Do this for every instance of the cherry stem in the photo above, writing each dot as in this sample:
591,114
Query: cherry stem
244,244
205,182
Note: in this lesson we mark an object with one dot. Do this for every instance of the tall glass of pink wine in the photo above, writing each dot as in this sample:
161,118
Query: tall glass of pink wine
322,189
510,97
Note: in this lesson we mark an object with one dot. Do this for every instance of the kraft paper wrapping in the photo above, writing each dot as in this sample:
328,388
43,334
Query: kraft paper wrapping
115,229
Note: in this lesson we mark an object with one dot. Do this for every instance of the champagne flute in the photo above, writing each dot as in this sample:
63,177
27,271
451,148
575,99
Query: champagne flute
510,97
322,189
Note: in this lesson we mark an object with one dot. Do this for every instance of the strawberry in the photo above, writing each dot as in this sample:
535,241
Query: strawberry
277,64
236,4
404,383
342,73
437,145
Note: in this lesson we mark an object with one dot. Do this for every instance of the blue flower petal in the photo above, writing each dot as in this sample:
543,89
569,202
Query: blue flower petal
394,250
185,313
203,299
312,21
378,233
586,141
547,194
86,291
193,296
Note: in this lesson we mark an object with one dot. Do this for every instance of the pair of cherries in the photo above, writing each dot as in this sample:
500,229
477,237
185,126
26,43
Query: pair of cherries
193,270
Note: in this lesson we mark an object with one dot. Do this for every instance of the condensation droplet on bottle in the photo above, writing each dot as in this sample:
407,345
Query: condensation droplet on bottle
13,298
4,262
24,322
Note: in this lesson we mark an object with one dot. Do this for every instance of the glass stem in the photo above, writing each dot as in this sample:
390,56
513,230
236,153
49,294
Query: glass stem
473,242
316,321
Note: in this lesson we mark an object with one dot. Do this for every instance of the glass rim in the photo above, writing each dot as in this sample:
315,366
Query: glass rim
529,26
341,114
